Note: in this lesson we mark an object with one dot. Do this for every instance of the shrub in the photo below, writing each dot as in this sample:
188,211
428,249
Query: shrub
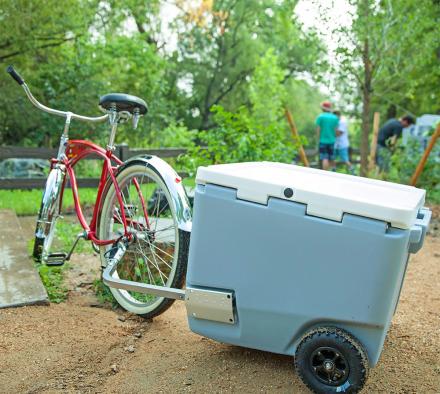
404,162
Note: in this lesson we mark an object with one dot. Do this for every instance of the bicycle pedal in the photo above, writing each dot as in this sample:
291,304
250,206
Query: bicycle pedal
56,259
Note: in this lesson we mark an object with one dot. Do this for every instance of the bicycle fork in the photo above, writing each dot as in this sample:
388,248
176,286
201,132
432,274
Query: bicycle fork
49,212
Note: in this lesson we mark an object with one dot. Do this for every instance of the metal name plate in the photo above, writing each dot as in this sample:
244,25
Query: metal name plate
210,305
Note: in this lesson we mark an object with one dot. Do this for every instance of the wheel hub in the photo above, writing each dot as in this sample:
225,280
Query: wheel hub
329,366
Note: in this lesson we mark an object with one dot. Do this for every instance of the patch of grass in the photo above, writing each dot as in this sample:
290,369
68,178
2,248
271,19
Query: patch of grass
30,247
27,202
52,278
65,235
104,294
23,202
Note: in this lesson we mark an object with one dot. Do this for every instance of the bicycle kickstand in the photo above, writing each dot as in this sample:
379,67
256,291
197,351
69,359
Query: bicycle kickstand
57,259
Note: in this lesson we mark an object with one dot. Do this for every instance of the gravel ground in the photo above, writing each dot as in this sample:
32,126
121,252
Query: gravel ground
82,347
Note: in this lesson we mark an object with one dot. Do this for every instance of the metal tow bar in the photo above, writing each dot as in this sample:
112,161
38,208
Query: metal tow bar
111,281
208,304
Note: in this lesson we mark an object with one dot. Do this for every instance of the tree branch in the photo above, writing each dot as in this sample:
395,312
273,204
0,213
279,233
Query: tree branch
20,52
240,77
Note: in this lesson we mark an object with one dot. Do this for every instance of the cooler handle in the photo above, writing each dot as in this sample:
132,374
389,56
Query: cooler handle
418,230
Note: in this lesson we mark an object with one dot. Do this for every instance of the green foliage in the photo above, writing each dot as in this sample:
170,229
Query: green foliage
72,52
390,53
33,35
255,133
304,103
176,134
103,293
66,232
80,65
219,50
212,87
404,162
23,202
52,278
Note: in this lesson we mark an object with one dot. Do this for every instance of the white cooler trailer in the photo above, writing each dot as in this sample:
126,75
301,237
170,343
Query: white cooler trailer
297,261
312,262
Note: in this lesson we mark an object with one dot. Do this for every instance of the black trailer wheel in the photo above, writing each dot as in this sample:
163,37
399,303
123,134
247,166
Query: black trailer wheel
330,360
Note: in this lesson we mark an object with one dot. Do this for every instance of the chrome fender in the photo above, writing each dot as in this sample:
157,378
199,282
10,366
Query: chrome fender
174,184
49,209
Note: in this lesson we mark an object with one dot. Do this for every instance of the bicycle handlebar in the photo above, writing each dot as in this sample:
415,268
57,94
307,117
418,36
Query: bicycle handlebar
33,100
14,74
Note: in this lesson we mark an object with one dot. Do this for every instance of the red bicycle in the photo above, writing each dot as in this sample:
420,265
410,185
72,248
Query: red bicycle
141,220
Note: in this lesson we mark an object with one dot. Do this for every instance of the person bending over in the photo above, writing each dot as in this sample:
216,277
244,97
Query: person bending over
386,141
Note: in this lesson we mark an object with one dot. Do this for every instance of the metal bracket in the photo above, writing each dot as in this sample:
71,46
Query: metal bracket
215,305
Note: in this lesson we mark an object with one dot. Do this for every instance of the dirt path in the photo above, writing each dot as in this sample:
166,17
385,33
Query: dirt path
78,347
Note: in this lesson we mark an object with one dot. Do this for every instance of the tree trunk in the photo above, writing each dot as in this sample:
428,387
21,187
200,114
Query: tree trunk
366,100
365,131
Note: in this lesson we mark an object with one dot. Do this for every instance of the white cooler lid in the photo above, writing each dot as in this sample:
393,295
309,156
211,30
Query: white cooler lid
327,194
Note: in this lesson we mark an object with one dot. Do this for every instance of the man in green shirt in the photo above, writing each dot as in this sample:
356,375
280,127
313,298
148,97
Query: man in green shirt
326,124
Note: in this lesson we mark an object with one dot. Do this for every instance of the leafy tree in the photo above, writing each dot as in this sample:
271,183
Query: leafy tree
31,32
251,134
28,26
303,101
376,61
100,58
101,47
221,42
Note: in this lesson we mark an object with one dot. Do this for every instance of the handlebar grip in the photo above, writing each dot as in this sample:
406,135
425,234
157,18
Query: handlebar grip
14,74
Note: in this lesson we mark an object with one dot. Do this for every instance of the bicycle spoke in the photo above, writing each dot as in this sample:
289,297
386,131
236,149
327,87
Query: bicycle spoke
150,274
161,257
163,251
155,265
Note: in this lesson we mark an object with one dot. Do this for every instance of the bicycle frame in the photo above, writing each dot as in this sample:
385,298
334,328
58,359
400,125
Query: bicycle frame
77,150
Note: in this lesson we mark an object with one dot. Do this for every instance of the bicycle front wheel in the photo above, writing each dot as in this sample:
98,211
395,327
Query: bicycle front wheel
48,215
159,252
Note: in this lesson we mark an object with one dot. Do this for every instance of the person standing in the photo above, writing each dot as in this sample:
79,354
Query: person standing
326,124
386,141
342,143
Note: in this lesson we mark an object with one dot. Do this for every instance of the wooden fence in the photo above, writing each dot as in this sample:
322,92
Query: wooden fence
17,152
122,151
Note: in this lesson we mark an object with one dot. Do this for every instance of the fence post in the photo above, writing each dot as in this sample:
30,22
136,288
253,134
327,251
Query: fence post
425,156
296,138
123,152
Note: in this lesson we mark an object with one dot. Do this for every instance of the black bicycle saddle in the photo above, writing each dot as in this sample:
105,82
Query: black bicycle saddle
123,102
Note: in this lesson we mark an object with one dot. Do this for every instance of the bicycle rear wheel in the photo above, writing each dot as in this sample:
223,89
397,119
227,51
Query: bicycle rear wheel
159,252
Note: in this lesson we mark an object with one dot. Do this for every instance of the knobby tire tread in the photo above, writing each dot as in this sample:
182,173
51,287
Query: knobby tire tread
339,334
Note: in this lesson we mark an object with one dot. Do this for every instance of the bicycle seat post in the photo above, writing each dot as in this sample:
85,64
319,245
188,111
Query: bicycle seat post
113,120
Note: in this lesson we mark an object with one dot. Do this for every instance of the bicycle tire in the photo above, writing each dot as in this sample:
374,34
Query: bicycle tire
145,259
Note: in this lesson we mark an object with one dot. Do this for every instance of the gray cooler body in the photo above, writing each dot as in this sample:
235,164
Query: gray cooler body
290,271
